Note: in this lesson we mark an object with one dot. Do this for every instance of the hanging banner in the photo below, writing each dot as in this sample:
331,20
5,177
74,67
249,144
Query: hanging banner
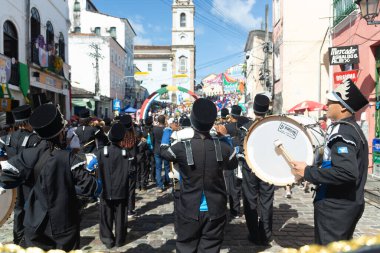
116,105
5,69
344,55
339,77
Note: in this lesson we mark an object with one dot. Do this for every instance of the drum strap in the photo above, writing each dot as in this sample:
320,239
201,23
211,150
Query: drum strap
189,153
218,150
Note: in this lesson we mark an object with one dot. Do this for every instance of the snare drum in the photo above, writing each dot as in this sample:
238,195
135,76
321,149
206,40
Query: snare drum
301,137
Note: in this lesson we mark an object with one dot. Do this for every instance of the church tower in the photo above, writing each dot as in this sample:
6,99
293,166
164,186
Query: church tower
183,42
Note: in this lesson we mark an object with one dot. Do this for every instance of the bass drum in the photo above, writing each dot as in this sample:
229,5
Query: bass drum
301,137
7,204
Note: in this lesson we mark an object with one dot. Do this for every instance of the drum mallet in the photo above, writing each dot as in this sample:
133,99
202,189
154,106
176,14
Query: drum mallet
278,144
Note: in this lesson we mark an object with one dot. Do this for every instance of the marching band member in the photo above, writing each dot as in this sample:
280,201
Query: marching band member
233,184
12,145
115,165
339,201
51,211
257,194
201,209
148,136
86,133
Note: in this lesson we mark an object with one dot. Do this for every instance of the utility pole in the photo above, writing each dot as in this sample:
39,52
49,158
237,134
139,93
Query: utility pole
96,55
268,50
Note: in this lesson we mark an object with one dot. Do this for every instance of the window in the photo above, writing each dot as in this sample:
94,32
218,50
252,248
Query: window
61,46
150,67
164,67
77,29
35,24
49,36
183,64
11,49
183,20
112,32
97,30
10,40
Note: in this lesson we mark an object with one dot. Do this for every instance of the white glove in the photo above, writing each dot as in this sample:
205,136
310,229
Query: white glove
171,174
2,190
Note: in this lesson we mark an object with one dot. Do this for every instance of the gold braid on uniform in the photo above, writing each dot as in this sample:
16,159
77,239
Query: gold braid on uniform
352,246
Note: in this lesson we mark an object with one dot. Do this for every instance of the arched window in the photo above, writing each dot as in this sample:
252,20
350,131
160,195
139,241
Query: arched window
10,40
35,24
61,46
49,36
183,20
11,49
183,64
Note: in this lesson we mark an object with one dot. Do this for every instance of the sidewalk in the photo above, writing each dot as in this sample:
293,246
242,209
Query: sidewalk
153,230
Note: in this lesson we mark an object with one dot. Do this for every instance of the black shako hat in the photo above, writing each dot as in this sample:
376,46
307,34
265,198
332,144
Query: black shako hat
261,104
235,110
47,121
84,113
184,121
126,120
348,95
117,132
149,121
203,115
22,113
224,112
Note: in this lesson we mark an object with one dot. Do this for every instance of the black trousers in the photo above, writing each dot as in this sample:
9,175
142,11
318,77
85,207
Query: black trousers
335,220
18,217
258,207
176,194
132,191
44,239
202,235
113,211
233,187
151,163
142,175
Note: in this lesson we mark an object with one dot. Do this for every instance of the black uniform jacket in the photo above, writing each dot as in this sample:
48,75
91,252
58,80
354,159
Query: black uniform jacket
17,142
114,169
53,194
87,134
345,164
206,175
157,137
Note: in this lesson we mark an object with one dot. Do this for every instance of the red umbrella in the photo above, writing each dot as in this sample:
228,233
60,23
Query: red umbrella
308,105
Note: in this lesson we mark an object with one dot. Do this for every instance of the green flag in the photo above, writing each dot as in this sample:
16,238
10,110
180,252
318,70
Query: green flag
24,79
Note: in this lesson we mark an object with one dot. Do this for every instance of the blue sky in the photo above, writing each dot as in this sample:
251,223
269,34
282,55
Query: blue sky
221,27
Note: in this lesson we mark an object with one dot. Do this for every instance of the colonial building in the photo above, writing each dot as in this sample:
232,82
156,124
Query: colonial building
301,70
255,54
33,53
117,35
175,64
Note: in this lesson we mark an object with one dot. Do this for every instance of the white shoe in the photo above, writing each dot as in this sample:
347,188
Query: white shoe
288,195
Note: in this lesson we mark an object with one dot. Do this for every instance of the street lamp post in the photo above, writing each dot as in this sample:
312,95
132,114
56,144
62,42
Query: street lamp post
369,10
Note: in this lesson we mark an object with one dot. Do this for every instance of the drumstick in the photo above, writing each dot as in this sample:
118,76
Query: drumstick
278,144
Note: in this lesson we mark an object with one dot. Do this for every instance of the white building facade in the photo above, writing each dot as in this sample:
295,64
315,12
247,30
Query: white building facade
86,19
111,65
34,38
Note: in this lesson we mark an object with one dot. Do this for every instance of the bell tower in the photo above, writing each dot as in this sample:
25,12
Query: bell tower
183,42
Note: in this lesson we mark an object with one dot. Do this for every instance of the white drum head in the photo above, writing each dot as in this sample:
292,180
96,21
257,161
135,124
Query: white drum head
267,161
7,204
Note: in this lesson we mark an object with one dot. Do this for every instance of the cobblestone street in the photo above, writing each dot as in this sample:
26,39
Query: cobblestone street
153,231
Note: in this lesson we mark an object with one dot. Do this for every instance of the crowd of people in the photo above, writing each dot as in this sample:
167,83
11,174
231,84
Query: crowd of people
197,153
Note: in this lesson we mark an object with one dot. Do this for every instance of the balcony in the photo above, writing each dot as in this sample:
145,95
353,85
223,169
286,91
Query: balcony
342,8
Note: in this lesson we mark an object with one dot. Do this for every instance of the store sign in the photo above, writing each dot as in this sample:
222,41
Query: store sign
339,77
50,81
116,105
344,55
